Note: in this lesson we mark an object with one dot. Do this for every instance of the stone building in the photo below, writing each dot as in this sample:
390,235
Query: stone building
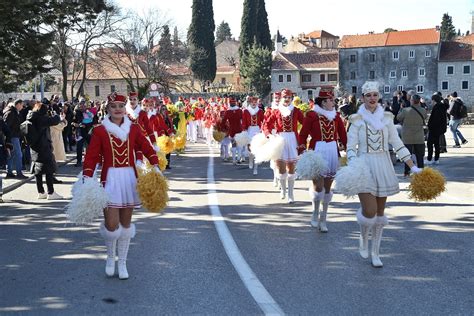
401,60
227,78
456,68
303,73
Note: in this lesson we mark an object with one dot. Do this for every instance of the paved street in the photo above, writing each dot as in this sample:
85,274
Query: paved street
182,263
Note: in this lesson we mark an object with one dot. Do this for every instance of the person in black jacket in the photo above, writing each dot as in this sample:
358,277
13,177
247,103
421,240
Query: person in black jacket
5,149
436,128
42,151
11,115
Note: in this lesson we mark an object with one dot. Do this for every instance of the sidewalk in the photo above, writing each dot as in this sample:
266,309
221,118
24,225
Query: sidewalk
12,184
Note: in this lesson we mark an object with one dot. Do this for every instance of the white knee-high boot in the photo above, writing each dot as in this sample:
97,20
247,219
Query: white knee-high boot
251,162
283,177
377,230
366,225
110,238
291,186
276,182
323,214
123,244
233,150
316,198
255,168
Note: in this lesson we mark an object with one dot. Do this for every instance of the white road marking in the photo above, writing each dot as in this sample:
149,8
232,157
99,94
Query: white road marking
261,296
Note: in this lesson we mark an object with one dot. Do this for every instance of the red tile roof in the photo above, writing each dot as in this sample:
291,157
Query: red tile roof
458,50
398,38
306,61
319,34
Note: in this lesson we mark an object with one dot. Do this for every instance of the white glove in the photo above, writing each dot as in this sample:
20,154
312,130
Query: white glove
157,170
416,170
156,148
139,164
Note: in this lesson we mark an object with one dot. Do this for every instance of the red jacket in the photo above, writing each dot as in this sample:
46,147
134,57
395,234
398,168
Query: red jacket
210,119
144,124
252,120
322,129
282,124
232,119
158,125
198,113
110,151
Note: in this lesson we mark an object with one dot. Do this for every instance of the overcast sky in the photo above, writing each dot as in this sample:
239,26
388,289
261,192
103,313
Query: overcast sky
338,17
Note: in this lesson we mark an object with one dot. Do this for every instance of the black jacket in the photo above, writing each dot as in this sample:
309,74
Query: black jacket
437,120
42,156
12,119
4,135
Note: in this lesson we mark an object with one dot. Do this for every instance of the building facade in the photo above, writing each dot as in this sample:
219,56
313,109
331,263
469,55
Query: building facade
304,73
402,60
456,69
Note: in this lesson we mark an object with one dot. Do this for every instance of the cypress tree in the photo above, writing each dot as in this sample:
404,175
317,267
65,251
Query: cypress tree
447,30
223,32
264,39
248,27
166,47
201,41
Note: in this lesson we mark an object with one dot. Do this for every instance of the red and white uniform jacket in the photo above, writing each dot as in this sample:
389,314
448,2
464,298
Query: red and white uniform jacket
233,121
322,129
210,119
198,114
283,124
116,151
252,120
158,125
140,117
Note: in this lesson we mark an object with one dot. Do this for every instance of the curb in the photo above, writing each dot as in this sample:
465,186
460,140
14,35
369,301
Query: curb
18,184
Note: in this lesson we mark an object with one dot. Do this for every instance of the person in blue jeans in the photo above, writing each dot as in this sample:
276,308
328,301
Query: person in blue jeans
5,150
11,115
455,121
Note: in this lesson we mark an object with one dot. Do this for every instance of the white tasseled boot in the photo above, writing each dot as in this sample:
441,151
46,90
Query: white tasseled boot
291,186
366,225
323,214
377,230
233,151
255,169
251,162
123,244
316,198
110,238
283,177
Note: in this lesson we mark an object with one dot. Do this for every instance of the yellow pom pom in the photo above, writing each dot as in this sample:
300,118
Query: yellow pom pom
153,190
218,135
179,142
426,185
162,161
165,143
342,161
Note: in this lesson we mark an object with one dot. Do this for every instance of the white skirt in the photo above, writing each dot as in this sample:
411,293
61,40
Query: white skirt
121,187
253,130
290,150
384,180
329,152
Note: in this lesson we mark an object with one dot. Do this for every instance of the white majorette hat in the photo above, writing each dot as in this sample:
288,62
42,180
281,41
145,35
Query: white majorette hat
370,86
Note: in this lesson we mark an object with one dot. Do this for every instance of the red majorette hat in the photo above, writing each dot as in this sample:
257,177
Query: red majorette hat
326,93
116,98
286,92
133,94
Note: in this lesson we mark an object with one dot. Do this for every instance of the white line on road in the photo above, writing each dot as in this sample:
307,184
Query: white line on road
264,300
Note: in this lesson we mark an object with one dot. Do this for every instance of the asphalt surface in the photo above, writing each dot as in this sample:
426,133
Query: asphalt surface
178,265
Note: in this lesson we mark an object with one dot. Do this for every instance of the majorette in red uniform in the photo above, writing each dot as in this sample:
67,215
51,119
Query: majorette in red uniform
198,117
113,144
233,120
225,143
252,121
285,120
210,119
139,116
326,128
268,113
